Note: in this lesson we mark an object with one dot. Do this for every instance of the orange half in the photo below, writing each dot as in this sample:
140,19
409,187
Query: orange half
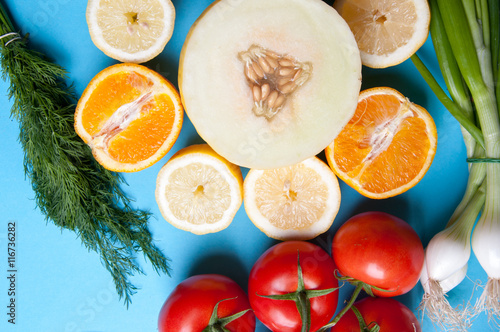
130,116
387,146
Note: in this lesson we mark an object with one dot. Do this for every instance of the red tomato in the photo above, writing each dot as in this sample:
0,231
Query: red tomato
389,314
380,250
190,305
276,272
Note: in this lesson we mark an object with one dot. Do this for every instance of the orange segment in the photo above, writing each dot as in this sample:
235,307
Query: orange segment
154,127
387,146
108,95
130,116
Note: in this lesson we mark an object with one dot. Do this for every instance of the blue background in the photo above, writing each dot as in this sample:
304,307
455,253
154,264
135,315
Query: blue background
62,287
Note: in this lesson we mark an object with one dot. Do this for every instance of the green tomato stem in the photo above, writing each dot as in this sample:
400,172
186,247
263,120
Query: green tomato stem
214,328
354,296
302,297
304,307
363,327
362,324
217,324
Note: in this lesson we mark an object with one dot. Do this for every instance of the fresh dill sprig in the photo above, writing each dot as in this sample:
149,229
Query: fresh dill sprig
71,189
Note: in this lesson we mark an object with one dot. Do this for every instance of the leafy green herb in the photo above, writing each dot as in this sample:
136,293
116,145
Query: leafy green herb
71,188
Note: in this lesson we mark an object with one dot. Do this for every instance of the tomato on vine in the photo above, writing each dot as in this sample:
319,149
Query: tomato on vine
292,287
378,314
207,303
381,251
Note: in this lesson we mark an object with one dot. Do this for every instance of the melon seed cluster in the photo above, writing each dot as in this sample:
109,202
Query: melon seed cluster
272,78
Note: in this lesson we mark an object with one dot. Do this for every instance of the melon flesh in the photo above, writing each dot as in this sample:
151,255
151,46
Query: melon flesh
218,96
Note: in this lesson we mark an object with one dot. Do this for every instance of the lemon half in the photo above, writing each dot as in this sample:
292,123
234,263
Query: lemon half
199,191
297,202
131,30
387,32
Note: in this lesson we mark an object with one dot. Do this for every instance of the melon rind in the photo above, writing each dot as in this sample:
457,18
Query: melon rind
217,97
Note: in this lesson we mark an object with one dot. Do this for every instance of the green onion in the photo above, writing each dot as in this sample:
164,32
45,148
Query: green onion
466,37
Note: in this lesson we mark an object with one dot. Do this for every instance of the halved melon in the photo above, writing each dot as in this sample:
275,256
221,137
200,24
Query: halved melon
269,83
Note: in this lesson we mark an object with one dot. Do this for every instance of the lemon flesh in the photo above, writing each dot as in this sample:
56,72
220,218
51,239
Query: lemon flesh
387,32
199,191
129,30
198,194
297,202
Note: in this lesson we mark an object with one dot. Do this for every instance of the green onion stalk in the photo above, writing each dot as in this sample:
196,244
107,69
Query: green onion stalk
71,189
465,34
448,252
